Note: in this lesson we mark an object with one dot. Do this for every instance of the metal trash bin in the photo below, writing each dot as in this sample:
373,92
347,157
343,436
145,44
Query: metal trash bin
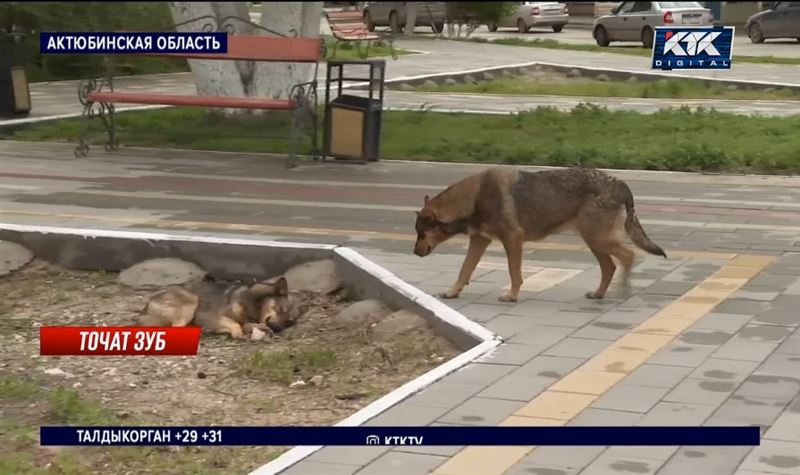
15,95
353,123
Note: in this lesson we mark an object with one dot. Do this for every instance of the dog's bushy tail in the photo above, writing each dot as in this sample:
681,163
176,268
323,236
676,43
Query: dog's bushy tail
634,228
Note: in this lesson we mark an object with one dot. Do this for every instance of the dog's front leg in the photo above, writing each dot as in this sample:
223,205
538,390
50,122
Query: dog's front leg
513,246
477,246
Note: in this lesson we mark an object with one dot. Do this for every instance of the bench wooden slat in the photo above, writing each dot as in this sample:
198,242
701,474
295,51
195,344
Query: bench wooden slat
187,100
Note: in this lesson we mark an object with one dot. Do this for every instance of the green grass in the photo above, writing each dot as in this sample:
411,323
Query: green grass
629,50
286,366
665,88
675,139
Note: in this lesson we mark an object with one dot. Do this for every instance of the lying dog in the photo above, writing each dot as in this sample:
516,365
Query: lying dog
264,305
515,206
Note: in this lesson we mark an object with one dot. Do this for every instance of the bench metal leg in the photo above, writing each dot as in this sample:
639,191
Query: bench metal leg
105,111
303,121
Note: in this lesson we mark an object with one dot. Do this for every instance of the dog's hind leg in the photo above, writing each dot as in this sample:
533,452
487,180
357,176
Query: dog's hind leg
607,267
513,246
626,258
477,246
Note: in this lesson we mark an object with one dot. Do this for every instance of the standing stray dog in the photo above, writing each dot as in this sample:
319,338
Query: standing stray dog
515,206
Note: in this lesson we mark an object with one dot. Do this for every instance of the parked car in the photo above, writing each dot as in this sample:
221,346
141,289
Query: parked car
636,21
535,14
780,20
393,15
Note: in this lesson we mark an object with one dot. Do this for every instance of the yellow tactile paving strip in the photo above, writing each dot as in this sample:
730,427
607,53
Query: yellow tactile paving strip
576,391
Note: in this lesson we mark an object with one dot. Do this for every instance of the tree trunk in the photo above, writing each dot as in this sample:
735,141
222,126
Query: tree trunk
411,18
276,79
248,78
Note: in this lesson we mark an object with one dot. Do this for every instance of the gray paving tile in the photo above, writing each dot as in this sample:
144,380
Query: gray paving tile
675,289
773,281
482,374
538,469
765,333
682,354
541,335
786,316
482,411
695,336
509,325
764,294
676,414
576,348
626,397
739,349
701,391
548,367
718,369
658,376
786,427
481,312
768,386
726,322
604,417
741,307
740,410
706,460
444,394
407,413
791,345
515,387
605,465
443,450
563,457
780,364
403,463
320,468
604,330
652,452
512,354
346,455
773,456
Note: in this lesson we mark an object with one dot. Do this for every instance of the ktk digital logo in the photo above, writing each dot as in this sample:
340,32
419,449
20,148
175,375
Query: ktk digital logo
693,47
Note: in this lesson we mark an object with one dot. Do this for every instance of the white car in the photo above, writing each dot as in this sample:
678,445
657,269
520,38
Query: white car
534,14
637,21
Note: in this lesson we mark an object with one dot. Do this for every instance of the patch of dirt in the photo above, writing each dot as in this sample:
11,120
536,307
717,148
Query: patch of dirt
229,382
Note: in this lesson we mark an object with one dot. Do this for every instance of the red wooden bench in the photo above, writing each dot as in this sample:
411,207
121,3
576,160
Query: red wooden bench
98,96
349,26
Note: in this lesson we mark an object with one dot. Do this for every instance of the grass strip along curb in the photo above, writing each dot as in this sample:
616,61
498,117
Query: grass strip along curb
682,139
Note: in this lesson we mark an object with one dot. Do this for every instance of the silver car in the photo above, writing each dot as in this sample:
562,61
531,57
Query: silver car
534,14
393,15
780,20
636,21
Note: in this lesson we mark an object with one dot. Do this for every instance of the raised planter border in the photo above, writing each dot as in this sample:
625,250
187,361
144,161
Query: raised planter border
367,278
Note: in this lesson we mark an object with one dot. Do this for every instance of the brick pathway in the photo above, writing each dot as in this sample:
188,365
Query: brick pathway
710,335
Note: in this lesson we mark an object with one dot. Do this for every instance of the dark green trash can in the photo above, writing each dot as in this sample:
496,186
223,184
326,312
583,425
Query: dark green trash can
15,95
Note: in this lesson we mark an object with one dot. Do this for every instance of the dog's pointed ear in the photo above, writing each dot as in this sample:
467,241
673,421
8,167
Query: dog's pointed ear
282,286
427,199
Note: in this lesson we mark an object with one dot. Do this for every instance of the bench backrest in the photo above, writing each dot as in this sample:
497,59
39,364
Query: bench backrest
264,48
345,19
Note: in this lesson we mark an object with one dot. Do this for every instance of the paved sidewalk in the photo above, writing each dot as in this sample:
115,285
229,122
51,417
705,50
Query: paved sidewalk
60,98
710,335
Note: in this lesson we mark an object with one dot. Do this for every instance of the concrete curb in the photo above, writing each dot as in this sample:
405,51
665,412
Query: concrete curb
348,262
583,71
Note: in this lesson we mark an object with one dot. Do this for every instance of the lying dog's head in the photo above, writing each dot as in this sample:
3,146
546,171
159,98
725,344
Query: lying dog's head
276,308
431,231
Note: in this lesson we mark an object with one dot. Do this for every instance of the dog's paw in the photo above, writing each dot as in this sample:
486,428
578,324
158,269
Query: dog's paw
594,295
507,297
447,295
